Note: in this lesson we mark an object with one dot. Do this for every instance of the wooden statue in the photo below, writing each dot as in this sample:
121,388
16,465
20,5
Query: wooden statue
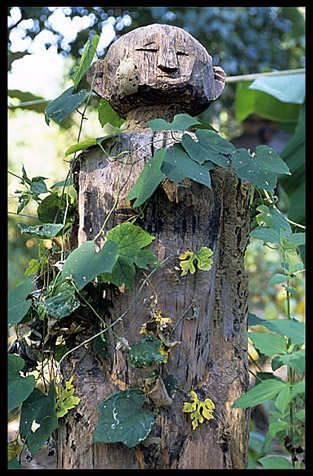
160,71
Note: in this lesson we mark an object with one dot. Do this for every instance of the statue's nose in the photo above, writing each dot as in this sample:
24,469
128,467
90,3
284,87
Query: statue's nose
167,59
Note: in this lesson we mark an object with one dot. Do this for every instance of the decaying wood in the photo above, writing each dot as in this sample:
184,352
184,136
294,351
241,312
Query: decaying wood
211,358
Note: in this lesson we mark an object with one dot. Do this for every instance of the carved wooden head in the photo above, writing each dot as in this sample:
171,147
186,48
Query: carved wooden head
157,64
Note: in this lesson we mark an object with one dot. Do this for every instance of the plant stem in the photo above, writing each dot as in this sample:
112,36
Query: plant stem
290,371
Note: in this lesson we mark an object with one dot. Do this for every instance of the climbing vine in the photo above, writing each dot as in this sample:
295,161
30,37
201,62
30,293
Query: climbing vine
63,282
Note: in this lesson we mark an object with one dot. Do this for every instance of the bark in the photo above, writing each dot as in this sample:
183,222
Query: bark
211,358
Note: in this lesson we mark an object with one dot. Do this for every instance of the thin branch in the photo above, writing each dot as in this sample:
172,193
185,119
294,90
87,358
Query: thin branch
251,77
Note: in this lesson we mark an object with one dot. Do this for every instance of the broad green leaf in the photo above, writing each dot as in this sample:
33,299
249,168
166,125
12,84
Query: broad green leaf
181,122
294,156
48,230
146,352
41,409
18,305
283,398
278,278
130,240
84,144
209,146
262,392
106,114
86,59
268,344
19,388
272,218
297,239
52,205
123,420
261,169
266,234
275,462
149,179
84,263
63,105
296,360
250,101
202,257
289,88
61,305
177,165
38,185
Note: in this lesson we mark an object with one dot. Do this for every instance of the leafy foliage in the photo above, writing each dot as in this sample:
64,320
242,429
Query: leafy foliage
123,420
202,257
19,388
39,408
261,169
65,399
18,304
146,352
199,410
84,263
64,104
130,240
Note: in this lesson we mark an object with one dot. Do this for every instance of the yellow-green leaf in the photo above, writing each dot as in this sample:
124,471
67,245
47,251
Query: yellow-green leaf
199,410
202,258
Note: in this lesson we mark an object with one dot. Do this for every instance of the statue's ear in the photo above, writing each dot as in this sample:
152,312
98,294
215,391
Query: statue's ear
219,81
95,77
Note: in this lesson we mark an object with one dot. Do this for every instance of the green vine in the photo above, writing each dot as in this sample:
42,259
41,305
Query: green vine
65,282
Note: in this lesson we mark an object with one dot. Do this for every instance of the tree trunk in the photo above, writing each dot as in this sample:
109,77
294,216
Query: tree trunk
211,358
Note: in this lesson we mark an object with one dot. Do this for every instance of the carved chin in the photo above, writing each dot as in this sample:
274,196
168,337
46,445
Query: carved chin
192,100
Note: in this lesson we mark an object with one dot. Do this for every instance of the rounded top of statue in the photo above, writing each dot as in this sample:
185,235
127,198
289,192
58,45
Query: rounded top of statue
154,65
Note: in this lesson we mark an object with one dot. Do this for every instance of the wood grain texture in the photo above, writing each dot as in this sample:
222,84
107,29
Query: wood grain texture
174,74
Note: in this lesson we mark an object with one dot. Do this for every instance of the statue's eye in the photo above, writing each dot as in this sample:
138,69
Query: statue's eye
181,53
151,50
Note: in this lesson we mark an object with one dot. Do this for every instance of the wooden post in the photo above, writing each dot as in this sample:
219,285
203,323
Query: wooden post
159,71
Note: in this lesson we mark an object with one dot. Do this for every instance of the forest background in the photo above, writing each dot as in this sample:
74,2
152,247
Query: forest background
44,48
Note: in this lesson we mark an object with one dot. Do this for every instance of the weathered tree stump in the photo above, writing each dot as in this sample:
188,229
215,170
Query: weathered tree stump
171,73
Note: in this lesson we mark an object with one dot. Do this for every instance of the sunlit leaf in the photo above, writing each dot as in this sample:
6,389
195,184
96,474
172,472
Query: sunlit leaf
202,257
63,105
84,263
181,122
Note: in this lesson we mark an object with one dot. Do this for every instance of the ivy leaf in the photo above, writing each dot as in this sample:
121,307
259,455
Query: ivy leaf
39,408
149,179
209,146
86,59
261,169
130,240
48,230
181,122
50,206
63,105
61,305
123,420
66,400
202,257
19,388
177,165
262,392
106,114
266,234
199,410
84,263
18,305
146,352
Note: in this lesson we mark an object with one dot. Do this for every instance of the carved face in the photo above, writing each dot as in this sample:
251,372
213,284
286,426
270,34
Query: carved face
157,63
